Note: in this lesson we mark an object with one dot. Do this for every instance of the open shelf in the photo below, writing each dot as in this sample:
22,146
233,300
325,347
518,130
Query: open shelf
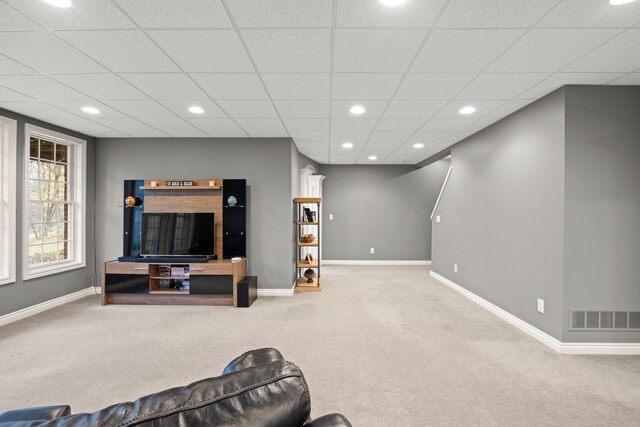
314,243
308,223
179,188
171,291
306,264
303,286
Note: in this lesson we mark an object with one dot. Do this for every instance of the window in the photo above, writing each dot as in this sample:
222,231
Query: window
7,200
54,219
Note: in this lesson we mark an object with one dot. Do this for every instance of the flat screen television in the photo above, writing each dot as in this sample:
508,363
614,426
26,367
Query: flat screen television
178,234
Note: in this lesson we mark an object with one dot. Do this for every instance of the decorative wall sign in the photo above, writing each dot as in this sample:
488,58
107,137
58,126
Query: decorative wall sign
180,184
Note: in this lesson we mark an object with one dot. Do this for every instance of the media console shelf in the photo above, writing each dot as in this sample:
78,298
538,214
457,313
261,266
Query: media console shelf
211,283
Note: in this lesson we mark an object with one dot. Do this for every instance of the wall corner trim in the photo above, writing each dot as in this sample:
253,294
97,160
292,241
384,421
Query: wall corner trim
543,337
44,306
374,262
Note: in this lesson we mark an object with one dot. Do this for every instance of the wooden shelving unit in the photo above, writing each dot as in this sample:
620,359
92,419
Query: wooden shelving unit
306,225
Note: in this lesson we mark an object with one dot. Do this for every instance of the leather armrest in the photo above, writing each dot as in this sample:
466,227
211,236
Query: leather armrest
331,420
38,413
253,358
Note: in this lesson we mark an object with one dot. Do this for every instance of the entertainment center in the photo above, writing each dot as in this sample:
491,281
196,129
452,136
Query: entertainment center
184,242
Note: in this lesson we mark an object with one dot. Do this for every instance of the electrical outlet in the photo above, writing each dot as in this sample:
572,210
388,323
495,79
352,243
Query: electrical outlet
437,218
330,217
372,250
540,305
455,268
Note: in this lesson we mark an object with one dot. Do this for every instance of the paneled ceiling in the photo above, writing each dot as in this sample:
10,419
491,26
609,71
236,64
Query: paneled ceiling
294,68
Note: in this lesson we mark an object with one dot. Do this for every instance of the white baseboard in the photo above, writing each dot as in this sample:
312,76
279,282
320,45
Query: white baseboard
543,337
97,290
44,306
373,262
275,292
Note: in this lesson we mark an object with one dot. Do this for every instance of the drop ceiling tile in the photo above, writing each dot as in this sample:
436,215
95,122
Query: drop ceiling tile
142,109
399,109
287,50
560,79
306,125
173,14
263,128
256,109
335,159
104,86
281,13
381,153
365,85
309,138
374,109
11,95
121,51
447,125
175,128
37,109
297,86
474,49
181,108
40,87
452,110
88,127
231,85
9,66
429,139
11,19
482,123
591,13
366,13
353,125
204,50
433,85
375,50
388,138
46,53
501,85
510,107
629,79
75,107
219,128
132,127
399,125
550,49
621,54
303,109
165,85
357,138
84,15
494,13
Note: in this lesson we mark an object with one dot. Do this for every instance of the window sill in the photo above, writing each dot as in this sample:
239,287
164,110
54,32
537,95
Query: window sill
7,280
34,273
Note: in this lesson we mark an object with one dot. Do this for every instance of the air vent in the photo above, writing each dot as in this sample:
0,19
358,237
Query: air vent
589,320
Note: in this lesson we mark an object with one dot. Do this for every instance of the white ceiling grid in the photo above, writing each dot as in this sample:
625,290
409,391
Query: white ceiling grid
294,68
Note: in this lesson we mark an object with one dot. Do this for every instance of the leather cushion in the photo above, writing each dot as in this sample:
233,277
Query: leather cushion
253,358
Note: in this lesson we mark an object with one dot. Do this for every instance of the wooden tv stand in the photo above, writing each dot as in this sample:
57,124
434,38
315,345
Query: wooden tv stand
210,283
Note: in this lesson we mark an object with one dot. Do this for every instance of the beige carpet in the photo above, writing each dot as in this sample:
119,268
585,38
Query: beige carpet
386,346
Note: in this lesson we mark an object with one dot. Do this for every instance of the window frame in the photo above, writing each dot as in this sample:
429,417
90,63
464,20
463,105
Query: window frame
8,189
77,183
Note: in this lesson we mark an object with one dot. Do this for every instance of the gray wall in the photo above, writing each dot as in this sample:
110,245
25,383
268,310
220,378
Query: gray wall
502,214
23,294
384,207
264,163
602,208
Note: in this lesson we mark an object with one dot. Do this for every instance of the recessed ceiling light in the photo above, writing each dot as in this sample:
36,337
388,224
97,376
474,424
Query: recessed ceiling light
392,3
91,110
418,145
467,110
347,145
373,157
196,110
59,3
620,2
357,109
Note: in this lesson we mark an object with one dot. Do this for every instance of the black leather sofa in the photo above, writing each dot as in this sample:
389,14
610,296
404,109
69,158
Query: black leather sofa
259,388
